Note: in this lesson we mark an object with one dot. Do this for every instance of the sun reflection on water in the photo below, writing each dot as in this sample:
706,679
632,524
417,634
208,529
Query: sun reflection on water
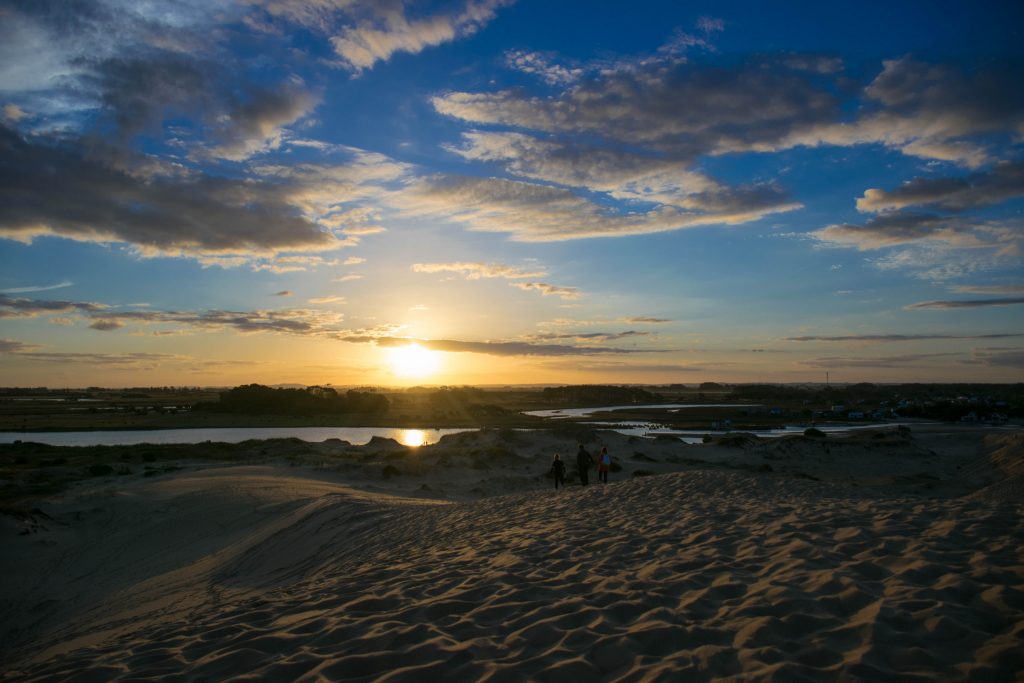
412,437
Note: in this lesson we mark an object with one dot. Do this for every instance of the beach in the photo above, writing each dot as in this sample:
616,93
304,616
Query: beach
895,555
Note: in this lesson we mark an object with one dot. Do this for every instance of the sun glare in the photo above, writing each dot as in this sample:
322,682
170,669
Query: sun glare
413,361
412,437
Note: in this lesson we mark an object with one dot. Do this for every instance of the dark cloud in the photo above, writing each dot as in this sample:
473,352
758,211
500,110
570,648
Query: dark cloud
895,362
106,325
674,106
301,322
58,189
968,303
14,346
997,357
899,337
647,319
119,360
893,228
1004,181
15,307
933,111
492,348
589,336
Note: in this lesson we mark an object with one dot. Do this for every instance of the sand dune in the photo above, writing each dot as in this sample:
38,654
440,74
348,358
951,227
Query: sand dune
276,572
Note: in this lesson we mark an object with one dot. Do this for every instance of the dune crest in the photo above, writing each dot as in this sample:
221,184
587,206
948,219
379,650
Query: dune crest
699,574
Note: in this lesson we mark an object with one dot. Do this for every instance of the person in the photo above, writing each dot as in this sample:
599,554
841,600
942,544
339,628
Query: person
583,465
604,463
558,470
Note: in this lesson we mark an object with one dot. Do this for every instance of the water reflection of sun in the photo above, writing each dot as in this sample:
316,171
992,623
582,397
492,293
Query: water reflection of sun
413,361
412,437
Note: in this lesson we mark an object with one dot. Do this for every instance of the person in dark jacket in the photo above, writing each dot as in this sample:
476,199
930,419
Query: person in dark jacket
558,470
583,461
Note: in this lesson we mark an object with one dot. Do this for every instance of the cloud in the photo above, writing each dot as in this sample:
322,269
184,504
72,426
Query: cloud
629,320
353,261
104,66
331,299
646,319
347,278
542,65
13,307
931,111
193,216
989,289
1005,181
568,293
493,348
477,270
670,105
105,325
38,288
628,368
292,321
621,174
586,337
895,362
932,247
13,113
388,30
14,346
997,357
968,303
897,337
284,292
539,213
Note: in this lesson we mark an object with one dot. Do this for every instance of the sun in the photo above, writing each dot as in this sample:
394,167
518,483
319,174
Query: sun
413,361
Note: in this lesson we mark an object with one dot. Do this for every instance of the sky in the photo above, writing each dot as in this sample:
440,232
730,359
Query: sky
394,192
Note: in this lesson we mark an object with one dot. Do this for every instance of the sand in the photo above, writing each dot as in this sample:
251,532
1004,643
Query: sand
903,561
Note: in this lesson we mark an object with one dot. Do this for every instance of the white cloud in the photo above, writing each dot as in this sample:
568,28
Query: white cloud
568,293
539,213
477,270
389,30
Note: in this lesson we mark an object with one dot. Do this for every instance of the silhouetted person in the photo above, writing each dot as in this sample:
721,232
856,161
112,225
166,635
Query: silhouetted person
583,465
558,469
604,463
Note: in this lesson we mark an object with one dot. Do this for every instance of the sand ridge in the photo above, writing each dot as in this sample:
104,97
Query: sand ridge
697,575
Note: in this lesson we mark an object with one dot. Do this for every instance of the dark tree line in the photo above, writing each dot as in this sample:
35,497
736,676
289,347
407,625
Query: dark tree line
256,399
596,394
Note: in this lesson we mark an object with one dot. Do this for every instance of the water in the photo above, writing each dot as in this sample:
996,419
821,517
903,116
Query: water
354,435
361,435
671,407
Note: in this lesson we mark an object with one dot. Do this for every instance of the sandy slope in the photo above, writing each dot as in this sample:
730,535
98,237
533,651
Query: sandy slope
697,575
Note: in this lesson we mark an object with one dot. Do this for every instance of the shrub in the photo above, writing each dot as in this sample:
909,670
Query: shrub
814,433
100,470
390,471
642,473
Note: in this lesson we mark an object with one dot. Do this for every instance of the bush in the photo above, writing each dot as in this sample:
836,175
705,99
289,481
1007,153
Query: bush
390,471
814,433
642,473
100,470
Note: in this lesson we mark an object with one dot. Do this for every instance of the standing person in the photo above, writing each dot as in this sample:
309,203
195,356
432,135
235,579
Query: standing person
583,465
558,469
604,463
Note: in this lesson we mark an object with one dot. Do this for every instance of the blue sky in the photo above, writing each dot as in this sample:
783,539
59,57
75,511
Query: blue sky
223,192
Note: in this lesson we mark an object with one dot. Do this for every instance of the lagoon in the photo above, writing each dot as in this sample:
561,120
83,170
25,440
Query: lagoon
353,435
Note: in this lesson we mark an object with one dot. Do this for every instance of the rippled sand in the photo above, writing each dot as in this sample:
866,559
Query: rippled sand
263,574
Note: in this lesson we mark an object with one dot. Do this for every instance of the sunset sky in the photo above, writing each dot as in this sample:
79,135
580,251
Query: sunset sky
208,192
